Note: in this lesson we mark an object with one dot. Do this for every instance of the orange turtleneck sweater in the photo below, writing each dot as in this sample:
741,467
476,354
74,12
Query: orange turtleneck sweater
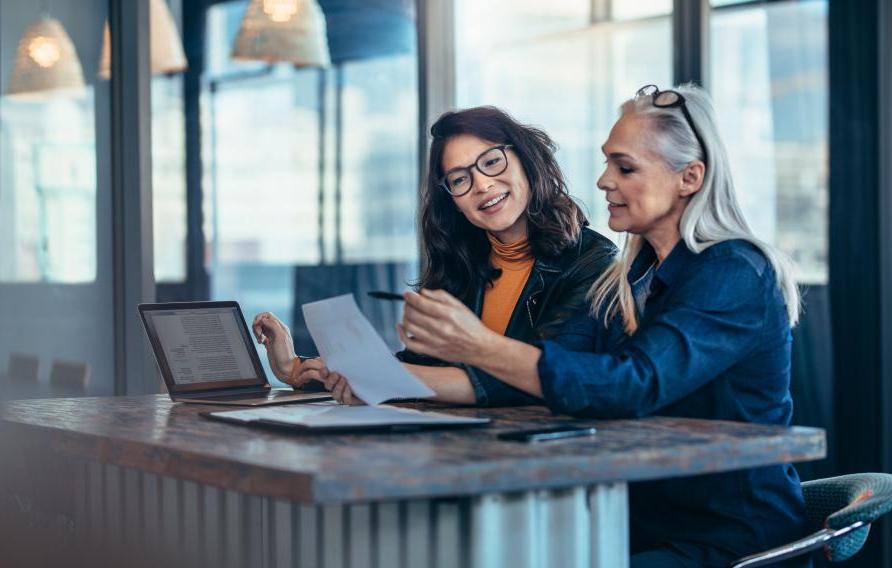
516,263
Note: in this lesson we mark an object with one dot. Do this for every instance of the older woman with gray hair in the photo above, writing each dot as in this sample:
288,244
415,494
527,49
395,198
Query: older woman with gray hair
693,319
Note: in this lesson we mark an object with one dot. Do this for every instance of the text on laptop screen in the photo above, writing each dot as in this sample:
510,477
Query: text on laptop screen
202,345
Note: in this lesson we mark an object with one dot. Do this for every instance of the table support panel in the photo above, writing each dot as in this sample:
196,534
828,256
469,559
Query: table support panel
91,514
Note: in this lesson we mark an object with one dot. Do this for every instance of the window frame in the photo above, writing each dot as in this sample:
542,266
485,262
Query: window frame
131,166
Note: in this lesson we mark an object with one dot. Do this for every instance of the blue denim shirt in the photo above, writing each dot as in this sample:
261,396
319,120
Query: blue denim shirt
713,342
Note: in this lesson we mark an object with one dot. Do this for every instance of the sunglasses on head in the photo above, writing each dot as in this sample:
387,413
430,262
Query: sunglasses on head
672,99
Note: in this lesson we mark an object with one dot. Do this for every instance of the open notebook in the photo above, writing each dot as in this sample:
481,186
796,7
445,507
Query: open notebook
335,417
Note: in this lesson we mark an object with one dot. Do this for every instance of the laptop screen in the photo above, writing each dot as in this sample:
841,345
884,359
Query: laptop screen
203,345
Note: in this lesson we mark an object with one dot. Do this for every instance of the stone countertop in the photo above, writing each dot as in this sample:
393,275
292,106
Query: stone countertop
153,434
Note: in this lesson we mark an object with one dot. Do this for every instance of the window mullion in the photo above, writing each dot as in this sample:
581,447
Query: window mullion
435,24
690,40
131,153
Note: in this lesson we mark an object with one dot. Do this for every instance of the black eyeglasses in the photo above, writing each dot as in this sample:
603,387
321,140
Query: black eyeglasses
493,162
672,99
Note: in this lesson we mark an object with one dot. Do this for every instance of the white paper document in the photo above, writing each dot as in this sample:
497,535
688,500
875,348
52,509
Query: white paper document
327,416
349,344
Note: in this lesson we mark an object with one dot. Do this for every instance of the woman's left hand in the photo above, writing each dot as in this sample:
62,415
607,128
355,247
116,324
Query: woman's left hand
340,389
334,382
436,323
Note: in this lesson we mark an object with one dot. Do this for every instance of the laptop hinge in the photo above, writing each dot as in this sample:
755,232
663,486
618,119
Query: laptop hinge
259,389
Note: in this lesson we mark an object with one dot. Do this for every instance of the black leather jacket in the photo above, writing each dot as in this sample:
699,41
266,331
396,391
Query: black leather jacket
555,291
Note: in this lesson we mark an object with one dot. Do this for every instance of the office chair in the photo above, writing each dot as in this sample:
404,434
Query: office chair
23,367
69,378
843,507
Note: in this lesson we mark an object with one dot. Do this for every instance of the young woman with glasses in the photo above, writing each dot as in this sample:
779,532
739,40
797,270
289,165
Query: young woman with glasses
500,233
692,320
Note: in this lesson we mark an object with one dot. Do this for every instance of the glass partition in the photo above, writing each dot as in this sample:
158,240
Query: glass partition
380,160
56,327
769,80
169,178
556,66
310,170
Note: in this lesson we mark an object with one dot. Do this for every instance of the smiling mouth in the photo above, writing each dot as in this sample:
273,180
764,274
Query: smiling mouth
493,201
612,204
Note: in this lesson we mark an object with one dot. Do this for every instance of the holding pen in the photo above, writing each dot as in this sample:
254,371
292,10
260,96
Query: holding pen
377,294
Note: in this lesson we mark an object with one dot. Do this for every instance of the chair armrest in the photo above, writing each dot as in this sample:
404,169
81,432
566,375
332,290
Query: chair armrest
812,542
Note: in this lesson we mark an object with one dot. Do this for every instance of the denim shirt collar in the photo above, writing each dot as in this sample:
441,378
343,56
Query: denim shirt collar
669,269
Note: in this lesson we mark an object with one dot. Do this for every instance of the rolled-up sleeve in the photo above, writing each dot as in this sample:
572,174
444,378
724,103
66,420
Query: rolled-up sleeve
565,318
490,391
712,321
575,335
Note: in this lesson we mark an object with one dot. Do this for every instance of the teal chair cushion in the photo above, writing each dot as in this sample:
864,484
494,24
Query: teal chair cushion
837,502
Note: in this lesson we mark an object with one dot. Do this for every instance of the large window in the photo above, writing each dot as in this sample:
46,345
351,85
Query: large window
567,66
311,174
48,181
768,75
380,160
56,288
564,67
262,203
169,178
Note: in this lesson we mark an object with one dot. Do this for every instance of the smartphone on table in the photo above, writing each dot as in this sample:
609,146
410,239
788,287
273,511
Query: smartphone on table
547,433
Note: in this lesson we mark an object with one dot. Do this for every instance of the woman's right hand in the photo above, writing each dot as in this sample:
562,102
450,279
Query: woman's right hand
276,337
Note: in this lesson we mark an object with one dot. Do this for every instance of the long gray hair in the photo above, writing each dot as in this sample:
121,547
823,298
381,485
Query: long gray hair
712,215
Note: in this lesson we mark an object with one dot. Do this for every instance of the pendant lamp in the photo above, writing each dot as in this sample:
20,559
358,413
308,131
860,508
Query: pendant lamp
45,60
165,45
283,31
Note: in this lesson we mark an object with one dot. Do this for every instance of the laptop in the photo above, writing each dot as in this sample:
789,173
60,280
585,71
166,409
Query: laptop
206,355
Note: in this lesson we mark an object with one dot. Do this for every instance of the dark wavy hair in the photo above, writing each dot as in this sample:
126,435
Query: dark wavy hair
457,252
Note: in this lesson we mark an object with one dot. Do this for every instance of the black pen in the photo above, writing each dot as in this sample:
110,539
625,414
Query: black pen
386,296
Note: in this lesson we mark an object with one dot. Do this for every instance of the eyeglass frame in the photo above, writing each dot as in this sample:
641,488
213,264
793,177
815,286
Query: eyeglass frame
442,181
679,102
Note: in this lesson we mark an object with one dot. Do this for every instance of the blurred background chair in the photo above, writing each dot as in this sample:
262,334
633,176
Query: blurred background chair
841,510
20,380
313,283
23,367
69,378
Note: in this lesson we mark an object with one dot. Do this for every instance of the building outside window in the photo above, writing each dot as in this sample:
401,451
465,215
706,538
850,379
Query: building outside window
768,76
311,176
566,68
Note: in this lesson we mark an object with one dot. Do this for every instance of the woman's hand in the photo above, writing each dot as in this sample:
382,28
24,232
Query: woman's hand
315,369
276,337
436,323
340,390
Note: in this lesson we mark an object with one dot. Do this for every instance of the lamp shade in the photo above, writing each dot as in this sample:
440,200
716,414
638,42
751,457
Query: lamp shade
165,45
283,31
45,60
